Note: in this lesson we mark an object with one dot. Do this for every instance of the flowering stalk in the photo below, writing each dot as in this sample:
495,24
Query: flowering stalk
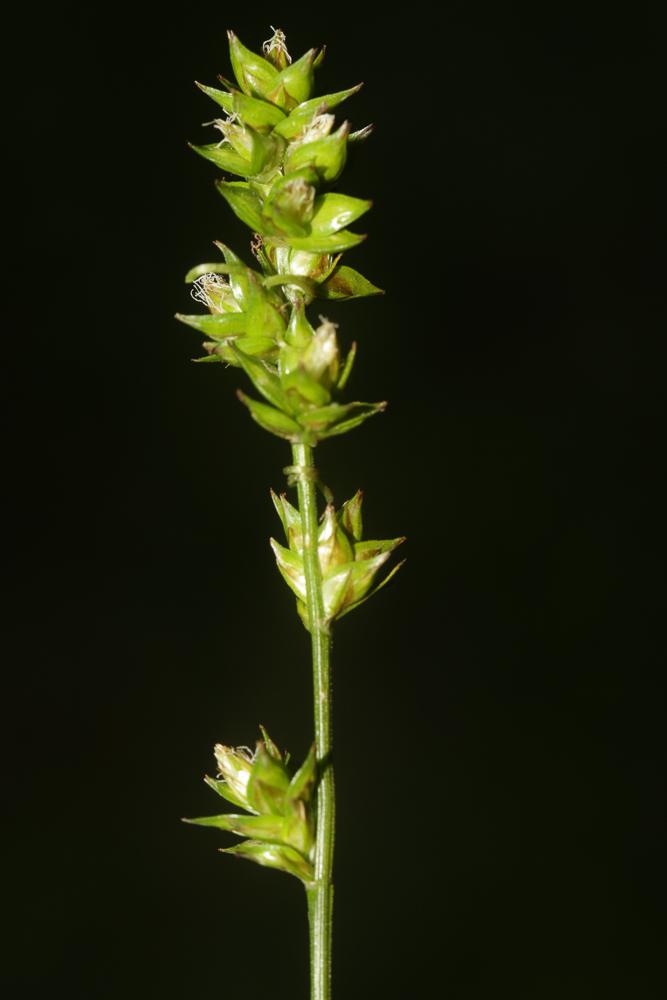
320,891
281,142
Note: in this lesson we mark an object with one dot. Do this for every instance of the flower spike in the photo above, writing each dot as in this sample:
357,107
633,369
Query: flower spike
280,151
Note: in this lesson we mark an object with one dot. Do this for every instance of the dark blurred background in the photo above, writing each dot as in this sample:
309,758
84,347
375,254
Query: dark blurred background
499,725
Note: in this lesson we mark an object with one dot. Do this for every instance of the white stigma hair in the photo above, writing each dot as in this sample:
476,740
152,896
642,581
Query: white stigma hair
276,43
200,290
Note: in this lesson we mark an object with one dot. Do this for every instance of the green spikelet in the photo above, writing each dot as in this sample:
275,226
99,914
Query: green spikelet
282,819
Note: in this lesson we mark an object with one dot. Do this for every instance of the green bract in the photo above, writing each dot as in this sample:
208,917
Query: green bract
280,152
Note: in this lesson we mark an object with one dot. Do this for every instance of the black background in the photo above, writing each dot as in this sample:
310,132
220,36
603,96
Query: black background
500,735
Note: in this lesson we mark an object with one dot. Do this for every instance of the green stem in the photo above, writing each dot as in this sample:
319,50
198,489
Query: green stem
320,891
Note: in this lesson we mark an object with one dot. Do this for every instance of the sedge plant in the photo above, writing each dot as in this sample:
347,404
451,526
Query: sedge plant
285,153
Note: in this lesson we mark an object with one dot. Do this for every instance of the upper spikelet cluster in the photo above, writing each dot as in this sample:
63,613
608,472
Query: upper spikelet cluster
284,145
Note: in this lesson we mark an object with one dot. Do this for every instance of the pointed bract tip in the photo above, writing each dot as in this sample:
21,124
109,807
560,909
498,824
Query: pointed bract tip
361,133
228,83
